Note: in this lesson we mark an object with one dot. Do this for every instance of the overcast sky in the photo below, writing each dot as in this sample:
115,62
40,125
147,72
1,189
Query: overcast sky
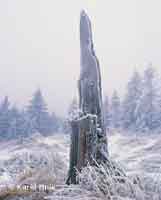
39,45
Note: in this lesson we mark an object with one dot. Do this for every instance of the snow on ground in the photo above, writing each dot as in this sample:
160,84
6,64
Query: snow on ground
19,159
137,154
45,160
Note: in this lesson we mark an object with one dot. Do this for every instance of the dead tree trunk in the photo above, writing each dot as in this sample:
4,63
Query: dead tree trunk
88,138
73,153
83,145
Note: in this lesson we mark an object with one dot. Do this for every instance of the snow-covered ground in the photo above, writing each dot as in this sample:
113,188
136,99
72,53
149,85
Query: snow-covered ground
35,159
42,160
137,154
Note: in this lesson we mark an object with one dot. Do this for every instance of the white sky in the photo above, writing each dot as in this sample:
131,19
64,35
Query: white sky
39,45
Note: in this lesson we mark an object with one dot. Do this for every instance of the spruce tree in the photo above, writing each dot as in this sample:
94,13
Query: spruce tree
149,100
107,112
14,122
38,113
131,112
4,118
73,108
115,110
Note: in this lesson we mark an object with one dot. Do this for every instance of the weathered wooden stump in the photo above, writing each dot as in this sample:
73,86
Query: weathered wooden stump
83,145
88,138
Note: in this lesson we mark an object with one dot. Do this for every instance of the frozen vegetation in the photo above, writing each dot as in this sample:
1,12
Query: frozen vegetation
41,160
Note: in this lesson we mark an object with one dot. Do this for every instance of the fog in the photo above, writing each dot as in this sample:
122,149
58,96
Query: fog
39,45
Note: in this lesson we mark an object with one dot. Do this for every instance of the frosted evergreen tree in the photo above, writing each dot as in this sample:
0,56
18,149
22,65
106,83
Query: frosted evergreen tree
28,124
55,122
131,113
52,123
14,122
115,110
107,112
4,118
73,109
72,113
20,124
149,101
38,113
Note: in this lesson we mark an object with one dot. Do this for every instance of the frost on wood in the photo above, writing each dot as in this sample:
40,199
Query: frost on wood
88,138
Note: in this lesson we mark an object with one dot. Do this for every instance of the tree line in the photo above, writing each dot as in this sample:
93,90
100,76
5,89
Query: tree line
34,118
140,108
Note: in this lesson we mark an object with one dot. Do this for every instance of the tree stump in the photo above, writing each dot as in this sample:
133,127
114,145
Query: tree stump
83,145
88,137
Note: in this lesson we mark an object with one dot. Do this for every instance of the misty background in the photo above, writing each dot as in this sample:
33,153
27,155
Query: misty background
39,46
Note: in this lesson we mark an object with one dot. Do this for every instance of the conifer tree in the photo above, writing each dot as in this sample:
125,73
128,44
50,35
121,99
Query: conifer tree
149,100
4,118
115,110
38,113
73,108
107,112
131,112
